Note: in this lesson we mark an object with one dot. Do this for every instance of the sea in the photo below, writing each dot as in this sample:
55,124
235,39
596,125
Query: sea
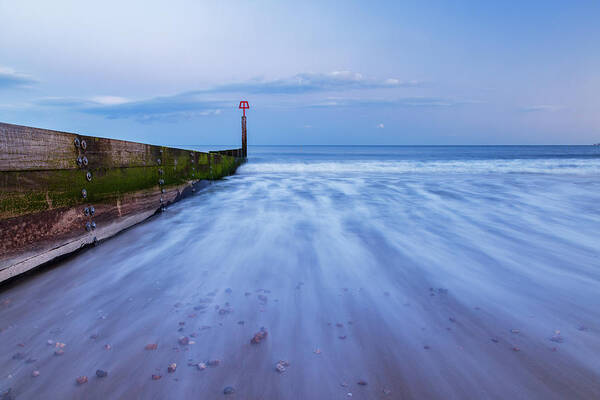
377,272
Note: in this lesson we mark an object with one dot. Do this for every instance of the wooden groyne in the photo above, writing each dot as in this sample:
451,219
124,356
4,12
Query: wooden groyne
61,191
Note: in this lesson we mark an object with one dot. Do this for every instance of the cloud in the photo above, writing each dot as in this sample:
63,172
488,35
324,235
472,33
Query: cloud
198,102
12,79
110,100
380,126
397,102
309,83
164,108
541,107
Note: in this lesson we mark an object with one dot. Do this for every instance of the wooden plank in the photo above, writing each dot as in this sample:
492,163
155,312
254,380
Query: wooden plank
42,207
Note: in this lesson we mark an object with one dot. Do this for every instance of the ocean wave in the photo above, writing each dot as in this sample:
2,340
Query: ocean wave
538,166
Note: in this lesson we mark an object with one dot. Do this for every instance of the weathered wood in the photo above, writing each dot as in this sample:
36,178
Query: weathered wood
25,148
44,173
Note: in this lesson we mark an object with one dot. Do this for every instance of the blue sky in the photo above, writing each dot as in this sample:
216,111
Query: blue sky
314,72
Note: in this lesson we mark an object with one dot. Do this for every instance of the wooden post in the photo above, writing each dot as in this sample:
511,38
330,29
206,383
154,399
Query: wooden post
244,139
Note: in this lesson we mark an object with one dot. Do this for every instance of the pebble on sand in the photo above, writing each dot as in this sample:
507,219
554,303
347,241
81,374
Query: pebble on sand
81,380
172,367
281,365
107,347
100,373
259,336
229,390
213,363
184,340
557,338
156,377
201,366
35,373
151,346
362,383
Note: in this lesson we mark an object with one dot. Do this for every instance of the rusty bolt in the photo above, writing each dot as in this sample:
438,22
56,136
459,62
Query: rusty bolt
85,161
86,211
83,193
83,145
88,176
76,142
92,210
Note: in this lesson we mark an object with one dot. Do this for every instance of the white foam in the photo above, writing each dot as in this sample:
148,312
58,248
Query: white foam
538,166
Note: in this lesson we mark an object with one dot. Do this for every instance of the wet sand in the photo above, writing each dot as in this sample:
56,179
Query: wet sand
352,283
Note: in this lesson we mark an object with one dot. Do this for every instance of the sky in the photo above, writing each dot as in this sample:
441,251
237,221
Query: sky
314,72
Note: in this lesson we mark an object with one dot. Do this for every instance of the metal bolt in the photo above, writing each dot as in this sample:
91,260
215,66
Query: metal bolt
88,226
92,210
160,171
88,176
85,161
83,145
76,142
158,161
79,161
161,199
83,193
161,182
86,211
162,190
93,225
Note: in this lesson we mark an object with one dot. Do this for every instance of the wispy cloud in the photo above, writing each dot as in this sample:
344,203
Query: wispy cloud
541,107
164,108
198,102
311,82
9,78
397,102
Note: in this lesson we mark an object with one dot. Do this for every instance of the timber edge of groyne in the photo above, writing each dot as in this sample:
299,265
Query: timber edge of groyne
62,191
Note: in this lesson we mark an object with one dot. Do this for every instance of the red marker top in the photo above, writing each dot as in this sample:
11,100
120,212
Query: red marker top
244,106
